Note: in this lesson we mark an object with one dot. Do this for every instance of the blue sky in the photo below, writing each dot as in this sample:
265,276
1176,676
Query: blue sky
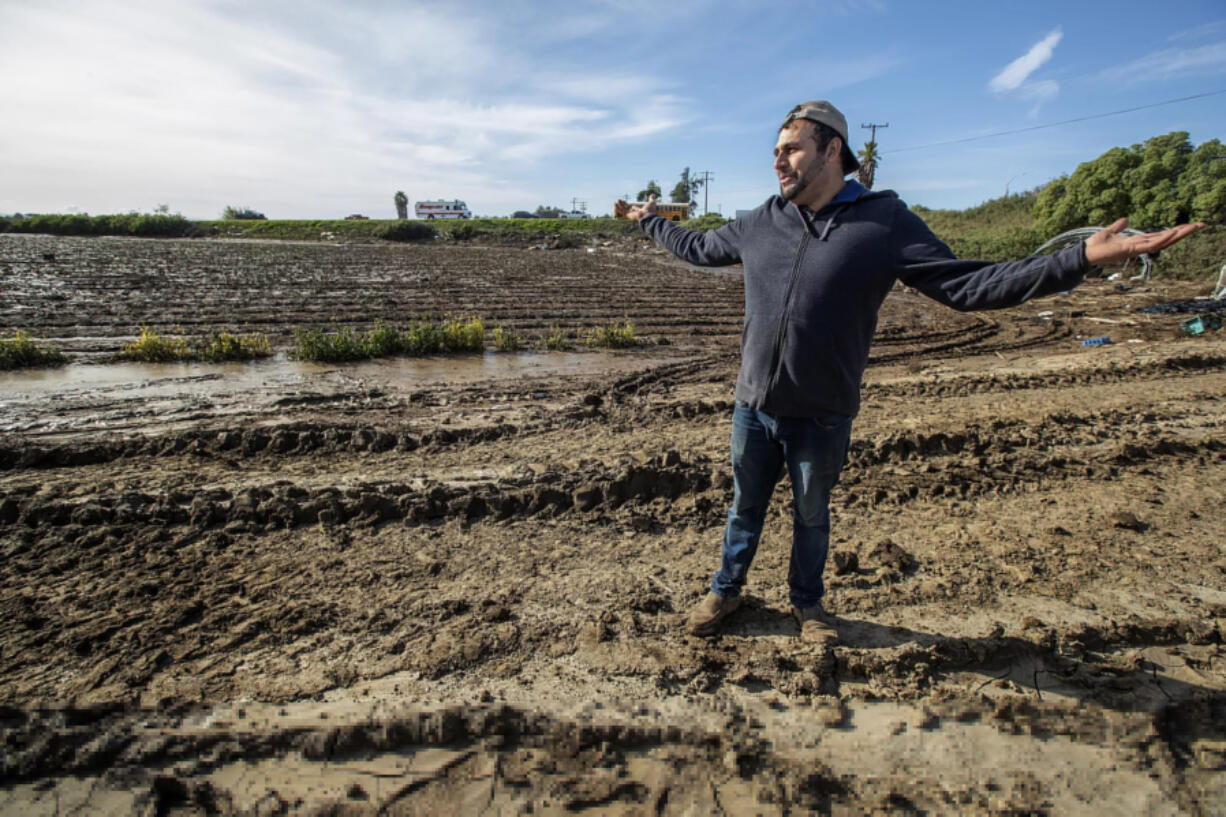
320,109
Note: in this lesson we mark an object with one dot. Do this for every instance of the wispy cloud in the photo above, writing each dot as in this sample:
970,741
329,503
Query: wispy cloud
1013,75
832,74
1171,63
1204,31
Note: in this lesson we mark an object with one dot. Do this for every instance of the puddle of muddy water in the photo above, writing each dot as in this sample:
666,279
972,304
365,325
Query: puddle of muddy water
114,396
155,379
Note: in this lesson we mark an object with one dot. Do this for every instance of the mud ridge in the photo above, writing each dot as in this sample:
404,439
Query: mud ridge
281,440
285,505
1177,366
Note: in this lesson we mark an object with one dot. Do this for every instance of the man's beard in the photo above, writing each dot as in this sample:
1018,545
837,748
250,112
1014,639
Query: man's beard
807,177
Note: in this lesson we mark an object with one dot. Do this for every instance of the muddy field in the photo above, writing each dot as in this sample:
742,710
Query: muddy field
457,586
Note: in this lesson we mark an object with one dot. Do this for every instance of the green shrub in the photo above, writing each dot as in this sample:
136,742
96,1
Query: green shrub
616,335
556,340
407,231
460,335
461,231
151,347
142,225
383,341
506,339
20,351
424,339
328,347
224,347
452,335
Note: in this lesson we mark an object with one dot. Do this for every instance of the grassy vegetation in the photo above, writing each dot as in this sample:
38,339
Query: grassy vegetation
615,335
297,230
224,347
451,335
506,339
997,230
142,225
20,351
152,347
556,340
1198,257
559,233
707,221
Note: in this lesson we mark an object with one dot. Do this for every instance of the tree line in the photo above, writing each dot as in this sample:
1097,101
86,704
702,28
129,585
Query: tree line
1161,182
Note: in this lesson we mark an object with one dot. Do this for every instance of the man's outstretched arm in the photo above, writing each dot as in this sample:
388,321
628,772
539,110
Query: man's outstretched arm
714,248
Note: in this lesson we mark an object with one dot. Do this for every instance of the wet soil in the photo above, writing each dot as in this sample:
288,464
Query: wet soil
459,588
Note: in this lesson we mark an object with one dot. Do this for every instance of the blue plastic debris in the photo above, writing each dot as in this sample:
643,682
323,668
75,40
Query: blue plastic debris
1103,341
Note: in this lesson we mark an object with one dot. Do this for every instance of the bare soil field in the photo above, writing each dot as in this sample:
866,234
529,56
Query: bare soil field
457,586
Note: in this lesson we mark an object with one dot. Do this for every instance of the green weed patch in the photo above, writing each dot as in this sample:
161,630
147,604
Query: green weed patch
556,340
20,351
451,335
152,347
616,335
506,339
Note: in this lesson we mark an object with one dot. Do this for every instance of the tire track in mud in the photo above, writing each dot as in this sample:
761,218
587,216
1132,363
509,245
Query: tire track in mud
889,469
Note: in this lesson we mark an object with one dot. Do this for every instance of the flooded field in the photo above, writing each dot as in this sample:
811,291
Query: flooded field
457,585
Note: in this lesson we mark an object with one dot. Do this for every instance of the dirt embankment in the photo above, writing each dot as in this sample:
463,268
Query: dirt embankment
345,590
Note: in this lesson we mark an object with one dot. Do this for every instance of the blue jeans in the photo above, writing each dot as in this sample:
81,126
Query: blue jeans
813,449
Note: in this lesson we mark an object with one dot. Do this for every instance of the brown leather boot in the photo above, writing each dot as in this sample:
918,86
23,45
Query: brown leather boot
705,618
816,626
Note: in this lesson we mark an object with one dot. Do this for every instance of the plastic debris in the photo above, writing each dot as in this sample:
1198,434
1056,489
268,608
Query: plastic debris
1103,341
1175,307
1198,325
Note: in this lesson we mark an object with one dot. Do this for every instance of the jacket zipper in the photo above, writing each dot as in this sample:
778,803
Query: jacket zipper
777,362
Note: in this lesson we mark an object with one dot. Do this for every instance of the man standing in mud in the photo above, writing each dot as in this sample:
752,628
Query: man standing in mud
819,259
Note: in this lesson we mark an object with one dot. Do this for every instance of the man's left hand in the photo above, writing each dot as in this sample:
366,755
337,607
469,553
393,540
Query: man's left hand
1107,246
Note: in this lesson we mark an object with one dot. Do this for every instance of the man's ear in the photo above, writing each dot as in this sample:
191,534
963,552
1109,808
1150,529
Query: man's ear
834,149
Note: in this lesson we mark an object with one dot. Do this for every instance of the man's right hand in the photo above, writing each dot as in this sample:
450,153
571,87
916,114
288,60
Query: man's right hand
623,209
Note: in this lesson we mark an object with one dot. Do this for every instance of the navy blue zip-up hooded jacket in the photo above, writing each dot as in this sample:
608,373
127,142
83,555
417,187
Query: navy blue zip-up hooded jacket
814,283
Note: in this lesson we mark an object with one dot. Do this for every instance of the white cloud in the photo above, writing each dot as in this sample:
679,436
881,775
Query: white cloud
1171,63
1016,73
186,102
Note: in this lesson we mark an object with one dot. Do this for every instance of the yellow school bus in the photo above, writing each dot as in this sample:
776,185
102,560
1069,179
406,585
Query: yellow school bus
670,210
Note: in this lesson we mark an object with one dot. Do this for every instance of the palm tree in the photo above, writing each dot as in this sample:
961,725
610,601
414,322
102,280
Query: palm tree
869,159
402,205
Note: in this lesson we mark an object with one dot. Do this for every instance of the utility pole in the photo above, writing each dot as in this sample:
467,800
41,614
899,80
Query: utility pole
706,191
578,206
873,137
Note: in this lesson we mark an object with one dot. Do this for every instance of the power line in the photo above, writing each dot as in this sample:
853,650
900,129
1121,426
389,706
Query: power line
1057,124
